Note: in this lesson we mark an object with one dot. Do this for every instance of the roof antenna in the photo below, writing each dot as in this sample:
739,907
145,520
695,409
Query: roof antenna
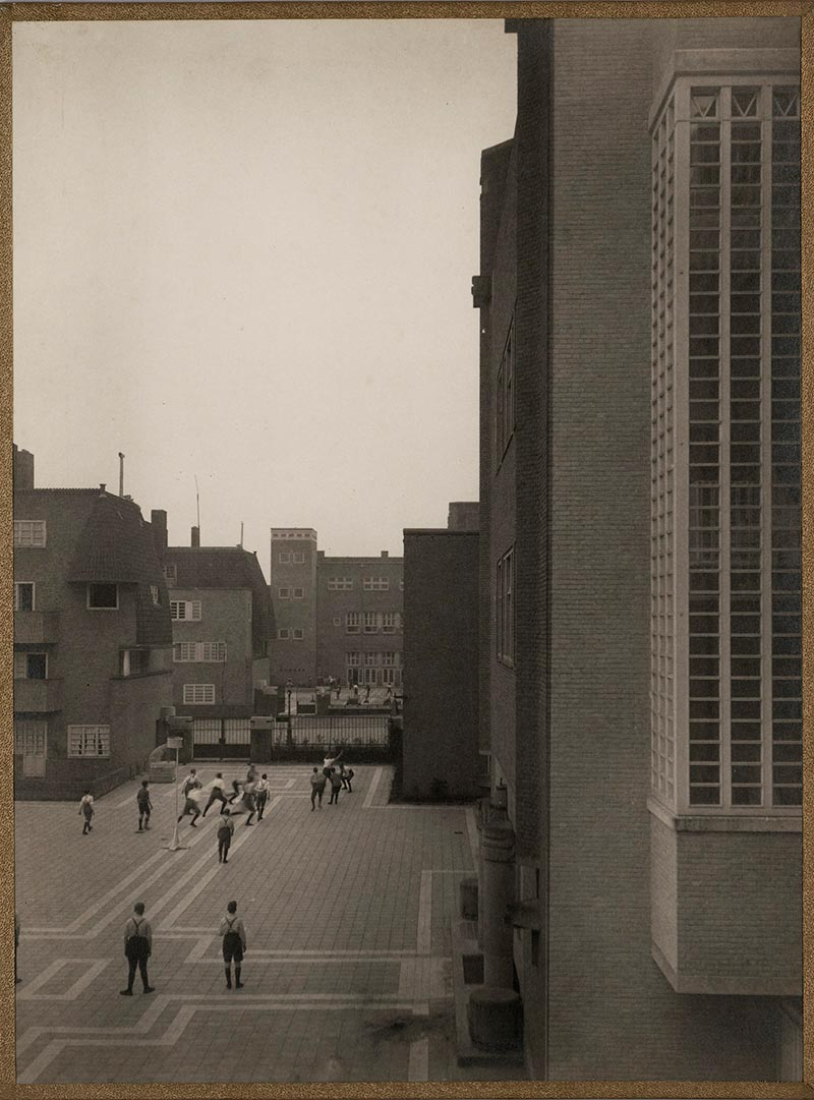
197,502
121,474
241,534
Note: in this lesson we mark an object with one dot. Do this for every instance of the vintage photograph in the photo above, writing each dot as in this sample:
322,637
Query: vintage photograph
407,467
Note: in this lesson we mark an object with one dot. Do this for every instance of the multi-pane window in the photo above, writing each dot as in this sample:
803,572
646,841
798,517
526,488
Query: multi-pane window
133,662
170,573
389,622
352,659
284,593
199,694
376,584
103,597
155,594
505,403
298,557
284,557
283,633
297,593
371,660
371,624
184,652
352,622
29,532
734,150
389,659
88,740
297,634
185,610
23,596
30,737
340,584
504,600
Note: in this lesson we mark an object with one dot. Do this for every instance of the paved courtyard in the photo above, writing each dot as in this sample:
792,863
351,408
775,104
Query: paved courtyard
347,973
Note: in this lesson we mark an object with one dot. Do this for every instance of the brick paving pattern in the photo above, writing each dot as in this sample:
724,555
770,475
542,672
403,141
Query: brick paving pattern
347,973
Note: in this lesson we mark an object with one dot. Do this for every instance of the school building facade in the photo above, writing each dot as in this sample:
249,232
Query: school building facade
640,536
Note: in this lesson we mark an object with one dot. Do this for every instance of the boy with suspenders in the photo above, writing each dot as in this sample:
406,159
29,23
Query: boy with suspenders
138,946
234,943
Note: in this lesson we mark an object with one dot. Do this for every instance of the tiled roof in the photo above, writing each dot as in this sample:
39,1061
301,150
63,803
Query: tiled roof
116,547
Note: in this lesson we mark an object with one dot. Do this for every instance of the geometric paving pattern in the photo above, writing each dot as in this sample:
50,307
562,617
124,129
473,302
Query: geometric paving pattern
347,909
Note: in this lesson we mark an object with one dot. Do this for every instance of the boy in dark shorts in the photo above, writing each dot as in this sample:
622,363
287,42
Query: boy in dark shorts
336,786
226,829
86,808
138,946
318,782
234,944
145,806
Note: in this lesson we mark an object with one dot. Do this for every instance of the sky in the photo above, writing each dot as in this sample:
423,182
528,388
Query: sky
243,253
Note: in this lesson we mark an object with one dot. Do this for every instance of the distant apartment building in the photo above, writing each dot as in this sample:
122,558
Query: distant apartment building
338,617
221,622
92,639
640,584
441,600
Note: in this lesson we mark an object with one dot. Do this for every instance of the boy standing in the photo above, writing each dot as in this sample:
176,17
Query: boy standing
138,946
145,806
226,830
261,794
336,786
317,787
86,809
234,944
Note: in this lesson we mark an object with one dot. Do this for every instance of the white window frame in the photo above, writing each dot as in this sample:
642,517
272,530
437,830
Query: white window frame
199,695
30,534
31,742
352,622
283,633
389,622
80,737
371,660
370,622
199,652
298,557
297,634
155,594
170,571
340,584
297,593
353,659
18,585
376,584
284,592
284,557
191,612
93,607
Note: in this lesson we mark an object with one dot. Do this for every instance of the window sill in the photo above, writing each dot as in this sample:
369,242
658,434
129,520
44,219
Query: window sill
725,821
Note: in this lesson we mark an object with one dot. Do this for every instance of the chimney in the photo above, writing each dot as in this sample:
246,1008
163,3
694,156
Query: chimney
385,553
23,468
158,520
196,538
102,488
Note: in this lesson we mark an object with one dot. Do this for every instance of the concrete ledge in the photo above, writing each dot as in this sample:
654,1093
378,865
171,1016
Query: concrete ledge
464,947
725,984
726,823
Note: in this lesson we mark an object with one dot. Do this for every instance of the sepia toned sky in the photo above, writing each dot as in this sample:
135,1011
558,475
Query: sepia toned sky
243,252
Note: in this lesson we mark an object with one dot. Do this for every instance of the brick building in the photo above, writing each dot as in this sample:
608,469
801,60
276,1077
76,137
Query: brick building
640,547
221,625
337,617
92,639
440,748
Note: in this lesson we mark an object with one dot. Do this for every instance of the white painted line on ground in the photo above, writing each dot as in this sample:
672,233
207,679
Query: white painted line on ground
204,880
374,786
424,931
80,985
418,1066
200,948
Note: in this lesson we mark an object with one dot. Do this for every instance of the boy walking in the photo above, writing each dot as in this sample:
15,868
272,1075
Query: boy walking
261,794
336,787
86,809
234,944
248,799
138,946
145,806
226,830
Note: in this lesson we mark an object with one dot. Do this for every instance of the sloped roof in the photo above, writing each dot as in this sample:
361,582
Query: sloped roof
116,547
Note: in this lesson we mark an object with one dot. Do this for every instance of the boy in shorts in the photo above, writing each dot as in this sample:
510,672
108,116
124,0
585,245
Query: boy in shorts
234,944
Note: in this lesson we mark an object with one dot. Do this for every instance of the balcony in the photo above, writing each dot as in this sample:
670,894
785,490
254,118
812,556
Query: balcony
40,696
36,627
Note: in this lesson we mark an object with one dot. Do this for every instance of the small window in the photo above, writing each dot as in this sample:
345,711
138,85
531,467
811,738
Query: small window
199,694
337,620
298,558
155,594
23,596
297,593
171,573
132,662
29,532
389,622
352,622
30,666
352,659
340,584
284,557
284,593
185,610
88,740
283,633
103,597
297,634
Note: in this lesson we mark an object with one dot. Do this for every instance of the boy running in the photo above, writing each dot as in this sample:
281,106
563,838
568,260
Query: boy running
86,808
145,806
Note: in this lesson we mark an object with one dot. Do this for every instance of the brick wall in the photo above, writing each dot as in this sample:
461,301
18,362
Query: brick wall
441,664
294,659
226,616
